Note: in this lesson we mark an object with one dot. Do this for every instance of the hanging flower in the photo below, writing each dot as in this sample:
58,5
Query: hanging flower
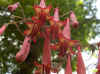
23,53
55,24
3,28
42,10
68,69
98,65
66,30
13,7
73,20
80,64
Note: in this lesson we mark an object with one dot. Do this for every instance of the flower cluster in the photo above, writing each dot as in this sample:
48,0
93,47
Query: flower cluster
56,35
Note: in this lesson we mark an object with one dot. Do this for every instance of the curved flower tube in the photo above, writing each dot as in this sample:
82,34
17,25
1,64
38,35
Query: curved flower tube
23,53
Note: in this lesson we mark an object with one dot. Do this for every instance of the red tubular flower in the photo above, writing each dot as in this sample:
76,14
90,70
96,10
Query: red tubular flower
80,64
3,28
73,20
55,24
23,53
46,58
98,65
46,49
42,11
13,7
46,53
68,65
66,30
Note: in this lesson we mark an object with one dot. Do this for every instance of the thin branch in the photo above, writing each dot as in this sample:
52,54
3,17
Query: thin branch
14,16
19,29
15,23
64,14
22,10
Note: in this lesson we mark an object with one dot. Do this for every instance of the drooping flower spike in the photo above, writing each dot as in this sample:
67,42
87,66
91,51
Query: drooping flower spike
3,28
24,51
80,64
98,65
62,37
65,41
13,7
73,20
